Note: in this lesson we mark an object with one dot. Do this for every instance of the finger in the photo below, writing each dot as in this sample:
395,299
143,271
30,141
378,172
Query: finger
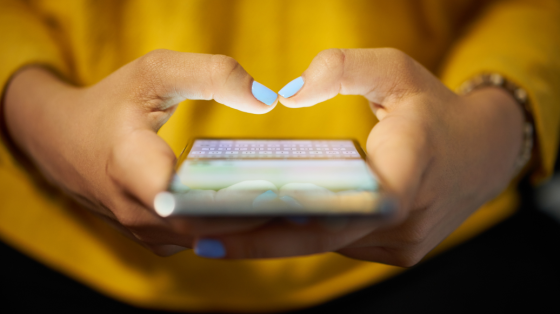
142,225
404,246
141,163
379,255
399,153
378,74
217,226
169,77
282,239
159,249
166,250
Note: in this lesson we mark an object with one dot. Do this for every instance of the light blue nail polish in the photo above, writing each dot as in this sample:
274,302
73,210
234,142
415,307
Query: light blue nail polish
263,93
210,248
291,88
291,201
263,198
300,220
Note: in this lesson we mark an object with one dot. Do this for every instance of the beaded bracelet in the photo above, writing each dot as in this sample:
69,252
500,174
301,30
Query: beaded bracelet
520,95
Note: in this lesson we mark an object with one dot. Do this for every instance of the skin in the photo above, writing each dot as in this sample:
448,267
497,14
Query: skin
440,155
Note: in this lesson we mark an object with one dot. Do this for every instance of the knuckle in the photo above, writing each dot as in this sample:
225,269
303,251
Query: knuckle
408,76
398,58
130,222
222,66
407,259
332,59
413,238
132,217
153,59
148,72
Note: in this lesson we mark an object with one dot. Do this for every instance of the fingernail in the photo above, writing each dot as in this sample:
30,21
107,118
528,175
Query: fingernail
263,198
263,93
291,88
291,201
164,204
210,248
299,220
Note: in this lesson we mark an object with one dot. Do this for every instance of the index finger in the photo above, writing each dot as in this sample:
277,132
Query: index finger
165,78
380,75
282,239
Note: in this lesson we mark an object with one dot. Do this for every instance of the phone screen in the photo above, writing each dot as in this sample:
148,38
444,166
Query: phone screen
271,177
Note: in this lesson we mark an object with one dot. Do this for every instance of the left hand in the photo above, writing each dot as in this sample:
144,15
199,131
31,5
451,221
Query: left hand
440,155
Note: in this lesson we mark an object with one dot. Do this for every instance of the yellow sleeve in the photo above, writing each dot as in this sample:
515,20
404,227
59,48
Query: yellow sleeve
25,40
520,40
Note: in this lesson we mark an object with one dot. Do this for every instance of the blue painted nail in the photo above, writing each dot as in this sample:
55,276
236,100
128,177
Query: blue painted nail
263,198
210,248
291,201
300,220
263,93
291,88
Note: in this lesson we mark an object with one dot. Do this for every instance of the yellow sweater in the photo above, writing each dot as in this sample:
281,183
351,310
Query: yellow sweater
274,41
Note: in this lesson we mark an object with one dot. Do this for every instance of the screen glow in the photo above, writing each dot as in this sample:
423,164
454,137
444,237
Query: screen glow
273,177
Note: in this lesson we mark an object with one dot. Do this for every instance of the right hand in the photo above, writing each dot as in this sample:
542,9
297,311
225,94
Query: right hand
99,144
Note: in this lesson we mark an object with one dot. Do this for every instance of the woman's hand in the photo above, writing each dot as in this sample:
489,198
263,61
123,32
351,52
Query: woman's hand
100,145
441,156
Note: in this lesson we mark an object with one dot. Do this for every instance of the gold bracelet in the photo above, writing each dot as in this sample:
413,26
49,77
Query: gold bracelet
520,95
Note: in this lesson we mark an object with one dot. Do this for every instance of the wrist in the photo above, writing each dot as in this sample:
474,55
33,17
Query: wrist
31,97
521,98
503,119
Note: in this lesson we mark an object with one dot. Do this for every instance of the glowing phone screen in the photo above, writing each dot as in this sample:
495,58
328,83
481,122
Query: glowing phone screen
272,177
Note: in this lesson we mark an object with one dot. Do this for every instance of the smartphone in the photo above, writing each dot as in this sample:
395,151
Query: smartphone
271,177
